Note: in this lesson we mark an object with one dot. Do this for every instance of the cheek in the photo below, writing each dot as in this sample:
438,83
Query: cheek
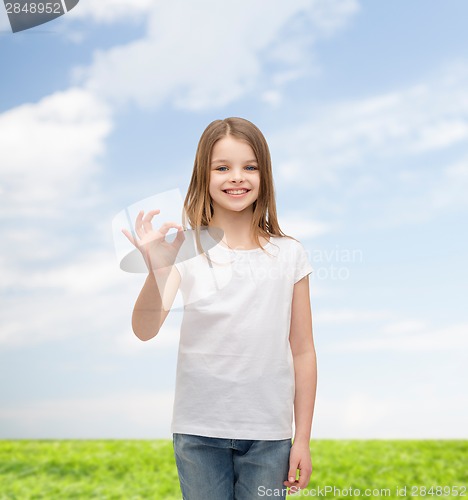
212,190
214,185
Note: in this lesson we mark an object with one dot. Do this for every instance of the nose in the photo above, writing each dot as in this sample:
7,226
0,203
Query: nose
237,175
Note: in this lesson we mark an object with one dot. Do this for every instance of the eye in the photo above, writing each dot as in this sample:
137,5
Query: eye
251,168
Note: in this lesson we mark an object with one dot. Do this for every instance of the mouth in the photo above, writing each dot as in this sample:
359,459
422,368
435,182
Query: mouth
236,193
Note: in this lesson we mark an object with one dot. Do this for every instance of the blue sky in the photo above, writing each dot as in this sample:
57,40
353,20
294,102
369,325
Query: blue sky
365,108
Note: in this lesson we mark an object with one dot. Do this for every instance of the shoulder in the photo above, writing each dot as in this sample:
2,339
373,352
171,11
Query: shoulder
287,243
286,249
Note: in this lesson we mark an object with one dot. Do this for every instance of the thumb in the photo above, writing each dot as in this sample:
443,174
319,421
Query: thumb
292,473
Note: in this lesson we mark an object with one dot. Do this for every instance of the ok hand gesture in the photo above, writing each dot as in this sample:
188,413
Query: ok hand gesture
152,244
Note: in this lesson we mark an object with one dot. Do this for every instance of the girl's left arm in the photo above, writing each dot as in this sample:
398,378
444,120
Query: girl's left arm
305,370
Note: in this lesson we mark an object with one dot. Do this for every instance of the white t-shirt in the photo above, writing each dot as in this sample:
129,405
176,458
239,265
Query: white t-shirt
235,373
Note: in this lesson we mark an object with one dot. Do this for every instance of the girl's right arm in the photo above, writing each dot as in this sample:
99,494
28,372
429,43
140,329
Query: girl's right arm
163,280
155,302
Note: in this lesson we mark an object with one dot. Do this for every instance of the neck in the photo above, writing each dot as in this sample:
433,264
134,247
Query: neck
236,226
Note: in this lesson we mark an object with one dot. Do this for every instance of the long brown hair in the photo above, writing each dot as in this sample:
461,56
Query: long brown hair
198,207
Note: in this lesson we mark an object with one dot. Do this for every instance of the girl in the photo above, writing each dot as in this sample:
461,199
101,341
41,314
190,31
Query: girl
246,361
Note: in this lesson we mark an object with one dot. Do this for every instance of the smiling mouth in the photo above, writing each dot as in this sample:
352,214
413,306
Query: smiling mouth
236,192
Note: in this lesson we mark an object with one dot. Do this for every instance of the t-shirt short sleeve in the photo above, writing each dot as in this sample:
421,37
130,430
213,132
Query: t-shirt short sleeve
303,265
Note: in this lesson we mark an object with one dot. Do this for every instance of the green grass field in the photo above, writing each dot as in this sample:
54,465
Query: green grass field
114,469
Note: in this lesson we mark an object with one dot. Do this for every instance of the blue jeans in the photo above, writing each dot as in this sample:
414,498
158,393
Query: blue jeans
231,469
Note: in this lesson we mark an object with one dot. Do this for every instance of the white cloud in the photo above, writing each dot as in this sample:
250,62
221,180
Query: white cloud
110,11
272,97
76,295
356,135
458,171
329,16
51,152
43,315
408,337
300,226
347,316
441,135
50,149
384,154
405,327
125,415
87,274
452,187
204,55
426,412
431,193
40,243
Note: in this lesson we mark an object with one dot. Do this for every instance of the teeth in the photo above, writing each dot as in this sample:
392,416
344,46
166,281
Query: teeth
240,191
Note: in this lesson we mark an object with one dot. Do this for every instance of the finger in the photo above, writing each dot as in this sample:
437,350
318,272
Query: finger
291,481
292,473
294,489
147,225
138,223
180,238
166,226
304,479
303,483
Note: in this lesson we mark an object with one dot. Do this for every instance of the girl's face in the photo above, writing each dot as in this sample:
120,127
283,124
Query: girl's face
234,175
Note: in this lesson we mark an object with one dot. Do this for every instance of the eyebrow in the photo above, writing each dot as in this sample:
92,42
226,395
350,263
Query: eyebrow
227,161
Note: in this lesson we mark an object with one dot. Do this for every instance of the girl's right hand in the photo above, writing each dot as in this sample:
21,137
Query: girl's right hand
152,244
